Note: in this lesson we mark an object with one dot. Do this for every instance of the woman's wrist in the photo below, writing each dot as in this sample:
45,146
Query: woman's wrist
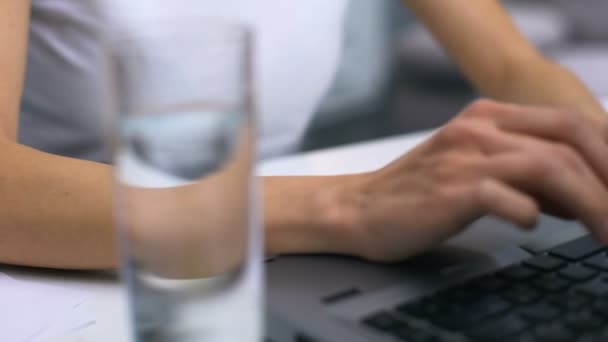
542,82
309,214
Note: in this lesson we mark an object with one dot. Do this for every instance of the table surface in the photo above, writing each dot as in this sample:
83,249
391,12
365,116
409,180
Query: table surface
106,297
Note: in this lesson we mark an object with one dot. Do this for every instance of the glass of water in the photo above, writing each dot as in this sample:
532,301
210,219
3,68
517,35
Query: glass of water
180,95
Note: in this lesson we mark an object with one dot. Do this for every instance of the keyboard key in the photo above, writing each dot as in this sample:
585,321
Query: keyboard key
457,322
551,283
412,308
498,329
599,261
540,313
423,337
447,310
416,335
525,337
571,301
600,336
596,288
488,306
600,307
577,249
384,321
577,272
522,295
460,294
554,332
468,316
545,263
428,308
490,284
584,321
558,296
589,338
404,334
518,273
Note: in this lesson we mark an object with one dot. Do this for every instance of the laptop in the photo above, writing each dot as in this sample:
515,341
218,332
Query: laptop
491,283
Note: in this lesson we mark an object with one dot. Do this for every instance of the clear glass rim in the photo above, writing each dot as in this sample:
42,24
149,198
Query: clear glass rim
117,42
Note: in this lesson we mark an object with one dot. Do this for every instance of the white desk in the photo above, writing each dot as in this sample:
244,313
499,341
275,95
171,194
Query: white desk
106,300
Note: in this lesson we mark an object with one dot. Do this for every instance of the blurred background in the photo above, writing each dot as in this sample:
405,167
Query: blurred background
395,79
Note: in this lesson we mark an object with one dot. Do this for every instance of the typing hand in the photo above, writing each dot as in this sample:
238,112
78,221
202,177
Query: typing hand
603,124
600,121
493,159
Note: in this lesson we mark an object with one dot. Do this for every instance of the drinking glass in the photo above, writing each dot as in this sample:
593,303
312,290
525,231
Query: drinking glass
179,95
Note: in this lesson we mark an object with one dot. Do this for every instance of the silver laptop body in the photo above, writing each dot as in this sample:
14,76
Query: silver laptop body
324,298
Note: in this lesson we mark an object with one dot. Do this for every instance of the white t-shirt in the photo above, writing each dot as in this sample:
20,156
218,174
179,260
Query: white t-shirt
298,50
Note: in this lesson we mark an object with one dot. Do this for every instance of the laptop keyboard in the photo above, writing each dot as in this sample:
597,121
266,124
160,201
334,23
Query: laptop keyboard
560,295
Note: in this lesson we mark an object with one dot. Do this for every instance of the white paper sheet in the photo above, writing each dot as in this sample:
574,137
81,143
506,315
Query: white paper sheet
33,311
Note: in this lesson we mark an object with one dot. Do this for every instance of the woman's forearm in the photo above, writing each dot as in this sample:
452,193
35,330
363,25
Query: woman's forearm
55,211
484,42
542,82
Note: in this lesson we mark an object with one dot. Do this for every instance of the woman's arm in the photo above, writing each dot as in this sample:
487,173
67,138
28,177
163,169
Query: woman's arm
496,159
14,20
54,211
497,58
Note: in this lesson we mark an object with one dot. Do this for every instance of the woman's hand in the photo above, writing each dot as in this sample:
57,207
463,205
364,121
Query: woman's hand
493,159
540,82
600,120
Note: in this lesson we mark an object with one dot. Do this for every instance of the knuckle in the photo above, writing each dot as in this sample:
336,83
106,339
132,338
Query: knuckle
483,193
443,194
568,122
482,107
459,131
568,157
537,166
442,175
480,190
